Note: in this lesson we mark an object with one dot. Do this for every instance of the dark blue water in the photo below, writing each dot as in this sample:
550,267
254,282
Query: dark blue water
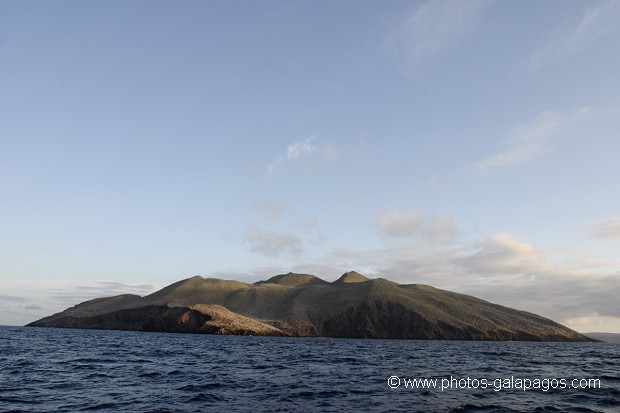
67,370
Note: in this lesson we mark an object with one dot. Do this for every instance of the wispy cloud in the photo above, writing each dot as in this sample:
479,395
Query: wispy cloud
608,229
414,223
272,244
70,295
293,152
116,288
13,298
529,142
305,152
596,23
434,28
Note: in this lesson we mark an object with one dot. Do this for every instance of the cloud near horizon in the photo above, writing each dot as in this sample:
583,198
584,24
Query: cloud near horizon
529,142
46,297
71,295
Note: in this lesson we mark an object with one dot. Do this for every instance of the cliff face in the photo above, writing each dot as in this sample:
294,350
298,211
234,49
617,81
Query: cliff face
304,305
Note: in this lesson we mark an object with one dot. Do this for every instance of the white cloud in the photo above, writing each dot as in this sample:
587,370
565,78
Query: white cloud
297,149
272,243
305,152
596,23
529,142
414,223
434,28
609,229
503,254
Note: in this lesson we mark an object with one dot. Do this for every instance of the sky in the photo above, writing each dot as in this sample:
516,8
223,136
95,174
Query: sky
469,145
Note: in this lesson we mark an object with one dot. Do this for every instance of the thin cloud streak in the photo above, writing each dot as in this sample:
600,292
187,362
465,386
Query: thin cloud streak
434,28
13,298
529,142
609,229
46,297
71,295
596,23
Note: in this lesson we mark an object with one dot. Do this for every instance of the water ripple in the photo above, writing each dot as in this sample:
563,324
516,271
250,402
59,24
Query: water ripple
87,370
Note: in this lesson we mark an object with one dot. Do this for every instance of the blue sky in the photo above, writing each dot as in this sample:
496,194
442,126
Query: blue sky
470,145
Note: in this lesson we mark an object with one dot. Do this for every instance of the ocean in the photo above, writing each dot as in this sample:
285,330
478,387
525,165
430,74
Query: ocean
65,370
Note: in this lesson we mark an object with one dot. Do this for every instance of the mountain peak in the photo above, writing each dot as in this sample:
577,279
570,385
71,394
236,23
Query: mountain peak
292,279
351,277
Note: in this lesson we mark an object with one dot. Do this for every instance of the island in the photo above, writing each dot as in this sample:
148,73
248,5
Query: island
353,306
